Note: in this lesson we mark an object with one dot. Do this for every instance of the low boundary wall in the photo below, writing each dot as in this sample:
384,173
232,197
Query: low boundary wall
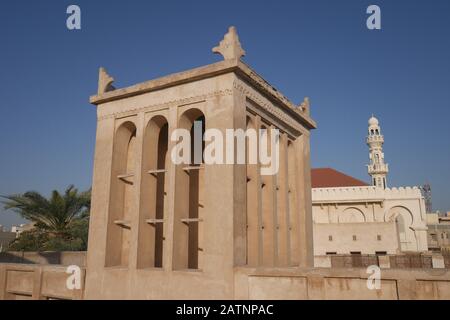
340,284
41,282
36,282
65,258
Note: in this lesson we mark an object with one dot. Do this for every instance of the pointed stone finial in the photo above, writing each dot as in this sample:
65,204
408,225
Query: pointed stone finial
304,106
105,81
230,47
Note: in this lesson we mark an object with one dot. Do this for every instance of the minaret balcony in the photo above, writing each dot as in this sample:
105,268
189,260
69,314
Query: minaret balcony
378,168
375,138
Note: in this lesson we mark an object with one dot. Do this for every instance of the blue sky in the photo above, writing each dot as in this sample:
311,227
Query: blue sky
321,49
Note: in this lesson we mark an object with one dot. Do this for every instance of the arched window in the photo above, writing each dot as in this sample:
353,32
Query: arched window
377,158
351,215
121,206
189,195
153,194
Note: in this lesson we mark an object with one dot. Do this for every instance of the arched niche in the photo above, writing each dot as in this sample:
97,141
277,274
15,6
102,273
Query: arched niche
351,215
294,212
121,205
394,212
153,197
268,206
189,195
403,219
253,180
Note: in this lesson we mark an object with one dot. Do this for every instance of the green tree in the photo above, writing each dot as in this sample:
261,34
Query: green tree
60,221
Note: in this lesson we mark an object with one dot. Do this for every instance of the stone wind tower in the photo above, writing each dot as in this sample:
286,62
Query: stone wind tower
377,168
162,230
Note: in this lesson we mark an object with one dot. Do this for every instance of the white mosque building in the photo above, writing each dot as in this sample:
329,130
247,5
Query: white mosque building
352,217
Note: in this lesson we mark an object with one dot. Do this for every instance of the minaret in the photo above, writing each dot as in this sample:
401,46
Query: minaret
377,168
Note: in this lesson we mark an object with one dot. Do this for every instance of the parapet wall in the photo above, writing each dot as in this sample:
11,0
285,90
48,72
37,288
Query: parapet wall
364,194
397,261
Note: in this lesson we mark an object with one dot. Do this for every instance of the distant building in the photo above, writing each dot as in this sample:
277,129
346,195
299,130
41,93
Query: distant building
5,238
351,217
21,228
438,232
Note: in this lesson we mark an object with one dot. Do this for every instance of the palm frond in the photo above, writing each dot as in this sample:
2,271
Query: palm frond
54,214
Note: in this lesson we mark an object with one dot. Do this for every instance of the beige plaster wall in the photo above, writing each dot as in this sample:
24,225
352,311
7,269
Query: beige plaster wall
366,234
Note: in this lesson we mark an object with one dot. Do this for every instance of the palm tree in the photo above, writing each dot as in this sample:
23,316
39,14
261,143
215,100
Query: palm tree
55,215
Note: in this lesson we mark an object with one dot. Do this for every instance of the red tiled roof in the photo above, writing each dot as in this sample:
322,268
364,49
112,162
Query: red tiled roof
330,178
